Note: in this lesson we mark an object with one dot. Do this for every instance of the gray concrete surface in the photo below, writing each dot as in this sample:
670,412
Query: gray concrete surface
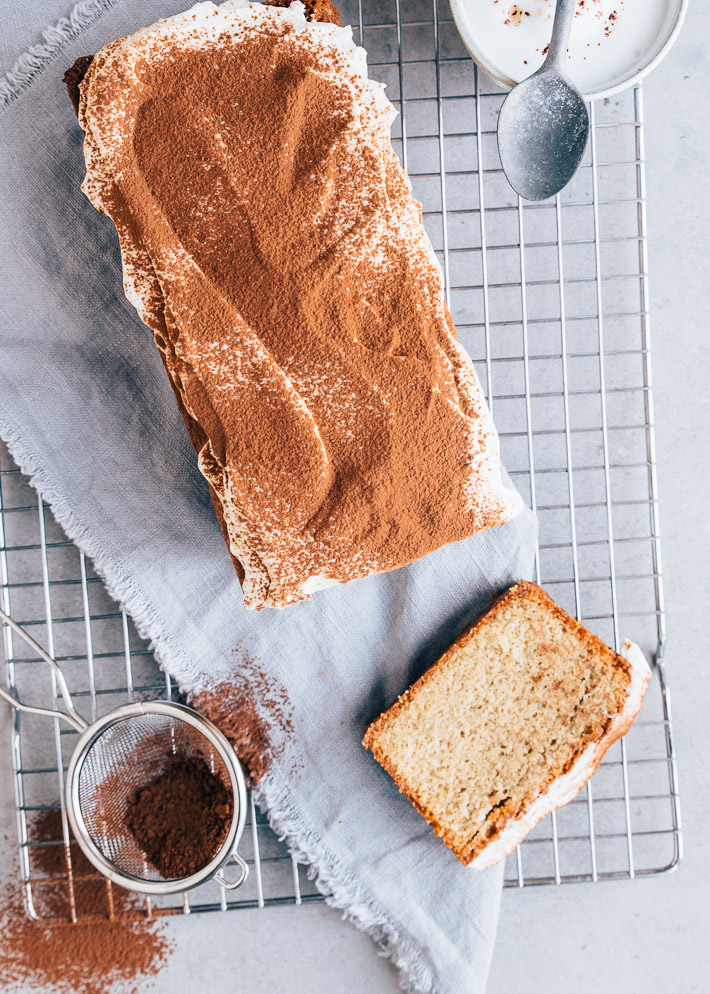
645,936
650,935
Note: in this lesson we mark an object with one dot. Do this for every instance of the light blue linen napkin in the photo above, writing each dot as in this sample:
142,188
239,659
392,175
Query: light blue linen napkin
88,413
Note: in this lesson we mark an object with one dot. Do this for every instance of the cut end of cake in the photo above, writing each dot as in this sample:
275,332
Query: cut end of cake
316,10
509,724
73,77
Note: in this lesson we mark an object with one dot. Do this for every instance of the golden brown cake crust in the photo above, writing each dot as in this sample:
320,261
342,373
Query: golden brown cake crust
522,592
73,77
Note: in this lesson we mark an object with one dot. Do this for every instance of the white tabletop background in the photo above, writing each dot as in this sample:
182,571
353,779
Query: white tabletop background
647,935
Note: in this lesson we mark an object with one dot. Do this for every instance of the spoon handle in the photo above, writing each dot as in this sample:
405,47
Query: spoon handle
557,52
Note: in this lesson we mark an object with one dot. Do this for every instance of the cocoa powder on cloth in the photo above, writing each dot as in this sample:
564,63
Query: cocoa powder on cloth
253,711
112,948
181,817
88,411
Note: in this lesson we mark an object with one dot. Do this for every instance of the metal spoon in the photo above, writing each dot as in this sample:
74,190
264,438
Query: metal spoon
543,125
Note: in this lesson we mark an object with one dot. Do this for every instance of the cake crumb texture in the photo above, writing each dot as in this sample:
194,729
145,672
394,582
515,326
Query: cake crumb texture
526,697
316,10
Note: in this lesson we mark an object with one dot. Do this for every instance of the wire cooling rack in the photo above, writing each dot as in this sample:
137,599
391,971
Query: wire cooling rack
551,301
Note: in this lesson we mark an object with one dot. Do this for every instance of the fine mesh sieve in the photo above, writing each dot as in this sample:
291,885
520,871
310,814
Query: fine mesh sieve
122,752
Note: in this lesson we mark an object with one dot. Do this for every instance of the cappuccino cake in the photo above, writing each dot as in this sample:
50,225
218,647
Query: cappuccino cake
509,724
271,242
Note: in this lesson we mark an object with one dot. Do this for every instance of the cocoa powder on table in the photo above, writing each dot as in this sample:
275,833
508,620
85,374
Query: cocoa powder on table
181,818
112,948
94,937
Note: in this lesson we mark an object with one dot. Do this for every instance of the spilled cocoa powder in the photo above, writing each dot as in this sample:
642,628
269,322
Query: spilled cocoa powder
181,818
113,946
253,711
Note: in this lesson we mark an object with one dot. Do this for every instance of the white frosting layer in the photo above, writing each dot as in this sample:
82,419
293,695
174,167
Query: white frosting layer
565,788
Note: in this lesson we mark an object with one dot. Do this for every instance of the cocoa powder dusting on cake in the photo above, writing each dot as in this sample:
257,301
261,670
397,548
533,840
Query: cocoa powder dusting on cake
254,713
113,947
271,241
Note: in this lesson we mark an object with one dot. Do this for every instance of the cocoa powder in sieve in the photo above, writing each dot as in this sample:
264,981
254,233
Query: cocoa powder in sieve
113,947
181,818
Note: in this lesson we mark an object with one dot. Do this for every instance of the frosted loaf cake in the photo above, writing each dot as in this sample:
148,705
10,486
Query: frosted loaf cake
270,240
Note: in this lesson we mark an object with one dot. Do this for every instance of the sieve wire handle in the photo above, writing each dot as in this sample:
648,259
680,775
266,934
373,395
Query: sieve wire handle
73,718
225,881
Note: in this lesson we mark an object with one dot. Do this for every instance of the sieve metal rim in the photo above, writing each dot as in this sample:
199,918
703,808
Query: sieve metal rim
78,826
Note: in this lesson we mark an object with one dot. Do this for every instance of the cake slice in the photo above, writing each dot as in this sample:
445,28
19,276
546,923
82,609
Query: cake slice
271,242
509,724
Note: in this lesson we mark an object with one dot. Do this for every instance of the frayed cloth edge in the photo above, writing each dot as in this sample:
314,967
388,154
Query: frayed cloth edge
31,64
343,892
149,625
339,888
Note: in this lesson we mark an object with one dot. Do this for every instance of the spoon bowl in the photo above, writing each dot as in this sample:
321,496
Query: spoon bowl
543,125
543,130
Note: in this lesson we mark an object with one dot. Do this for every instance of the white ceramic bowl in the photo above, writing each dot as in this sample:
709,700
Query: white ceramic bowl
614,43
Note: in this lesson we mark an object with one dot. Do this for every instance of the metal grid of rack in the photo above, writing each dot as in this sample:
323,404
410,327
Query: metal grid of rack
551,301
